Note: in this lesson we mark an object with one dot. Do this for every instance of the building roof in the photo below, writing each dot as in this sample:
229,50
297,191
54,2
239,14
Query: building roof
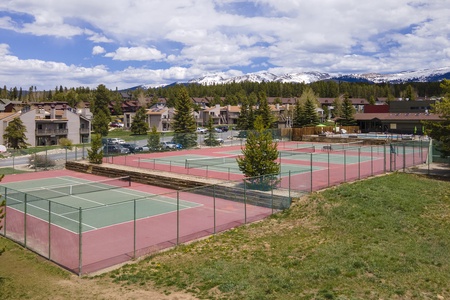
4,115
397,116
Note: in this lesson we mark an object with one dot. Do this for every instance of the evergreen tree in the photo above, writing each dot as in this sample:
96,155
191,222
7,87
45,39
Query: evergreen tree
139,124
100,110
14,136
95,154
264,111
310,107
154,139
299,115
348,111
211,138
100,122
242,121
440,131
337,107
409,93
259,160
184,124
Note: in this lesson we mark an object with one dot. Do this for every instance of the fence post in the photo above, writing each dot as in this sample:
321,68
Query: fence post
5,215
289,184
245,201
178,217
49,228
214,206
404,157
271,198
371,160
25,222
311,171
328,155
345,165
134,229
359,163
80,242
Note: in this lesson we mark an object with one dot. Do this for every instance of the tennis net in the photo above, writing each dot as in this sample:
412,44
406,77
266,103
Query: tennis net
297,151
210,161
79,188
343,146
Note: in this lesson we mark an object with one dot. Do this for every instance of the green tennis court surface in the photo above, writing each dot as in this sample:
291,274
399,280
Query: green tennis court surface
220,164
116,205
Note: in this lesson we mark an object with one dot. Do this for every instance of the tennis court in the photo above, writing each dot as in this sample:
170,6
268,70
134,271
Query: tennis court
305,166
107,198
86,222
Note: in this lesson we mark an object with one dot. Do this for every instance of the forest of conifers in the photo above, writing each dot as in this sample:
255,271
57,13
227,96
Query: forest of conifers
232,92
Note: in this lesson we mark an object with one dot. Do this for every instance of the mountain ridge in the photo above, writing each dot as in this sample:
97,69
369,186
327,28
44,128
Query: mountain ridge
424,75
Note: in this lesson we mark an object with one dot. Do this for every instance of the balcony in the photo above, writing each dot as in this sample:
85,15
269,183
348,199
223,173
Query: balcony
85,130
51,132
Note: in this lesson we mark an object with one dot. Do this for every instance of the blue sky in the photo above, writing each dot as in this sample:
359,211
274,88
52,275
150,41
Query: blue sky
124,43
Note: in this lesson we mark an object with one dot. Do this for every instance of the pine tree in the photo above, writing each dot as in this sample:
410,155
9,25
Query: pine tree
100,110
154,139
440,131
100,122
337,107
348,112
139,126
299,115
310,107
184,125
95,154
14,136
242,121
264,111
211,138
259,161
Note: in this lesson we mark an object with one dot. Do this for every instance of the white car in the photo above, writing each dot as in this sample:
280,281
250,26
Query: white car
115,141
202,130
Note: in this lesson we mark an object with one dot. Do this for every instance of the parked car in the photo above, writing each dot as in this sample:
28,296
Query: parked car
115,141
131,147
223,128
142,148
218,130
170,146
115,149
221,141
116,125
202,130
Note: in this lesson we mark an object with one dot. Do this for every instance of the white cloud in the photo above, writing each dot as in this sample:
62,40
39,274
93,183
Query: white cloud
98,50
136,53
194,37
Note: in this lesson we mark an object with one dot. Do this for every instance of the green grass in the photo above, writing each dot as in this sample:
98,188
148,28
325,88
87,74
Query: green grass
386,237
382,238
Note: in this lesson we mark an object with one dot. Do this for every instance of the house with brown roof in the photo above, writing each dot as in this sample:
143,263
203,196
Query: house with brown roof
398,117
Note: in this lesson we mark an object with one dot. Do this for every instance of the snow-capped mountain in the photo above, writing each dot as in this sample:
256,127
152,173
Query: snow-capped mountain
306,77
426,75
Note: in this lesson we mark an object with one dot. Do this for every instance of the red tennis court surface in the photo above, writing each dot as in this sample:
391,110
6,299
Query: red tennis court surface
314,167
89,251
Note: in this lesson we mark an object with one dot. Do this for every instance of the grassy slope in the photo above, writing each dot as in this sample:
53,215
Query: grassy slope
387,237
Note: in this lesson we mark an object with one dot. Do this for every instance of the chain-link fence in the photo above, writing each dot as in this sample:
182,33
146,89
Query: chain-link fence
88,239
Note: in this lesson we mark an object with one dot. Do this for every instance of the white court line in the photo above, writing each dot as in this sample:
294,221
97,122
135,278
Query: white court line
46,210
